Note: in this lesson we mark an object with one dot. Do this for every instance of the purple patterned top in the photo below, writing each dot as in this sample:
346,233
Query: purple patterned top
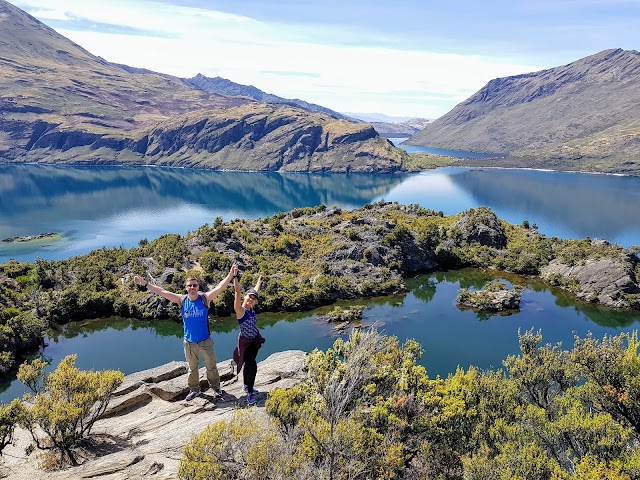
248,324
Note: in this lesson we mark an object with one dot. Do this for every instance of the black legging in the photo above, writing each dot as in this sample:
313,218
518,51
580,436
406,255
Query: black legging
250,367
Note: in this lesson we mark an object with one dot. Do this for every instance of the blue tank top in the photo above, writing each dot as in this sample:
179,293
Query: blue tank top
195,319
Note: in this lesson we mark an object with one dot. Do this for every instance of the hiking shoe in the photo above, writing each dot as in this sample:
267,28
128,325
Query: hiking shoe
218,393
245,389
252,399
191,395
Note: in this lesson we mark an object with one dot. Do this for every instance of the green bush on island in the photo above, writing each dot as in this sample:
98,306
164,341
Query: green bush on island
309,257
368,410
494,296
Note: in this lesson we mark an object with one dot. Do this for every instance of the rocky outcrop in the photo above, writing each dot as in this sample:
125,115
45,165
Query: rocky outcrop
608,281
271,138
148,422
480,226
494,297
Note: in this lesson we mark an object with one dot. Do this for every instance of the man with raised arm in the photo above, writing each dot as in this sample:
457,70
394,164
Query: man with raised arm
194,309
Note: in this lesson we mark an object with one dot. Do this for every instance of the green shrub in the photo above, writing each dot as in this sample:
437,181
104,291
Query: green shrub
10,416
212,262
63,412
398,234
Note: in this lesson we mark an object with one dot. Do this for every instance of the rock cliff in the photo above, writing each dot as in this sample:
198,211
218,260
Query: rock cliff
608,281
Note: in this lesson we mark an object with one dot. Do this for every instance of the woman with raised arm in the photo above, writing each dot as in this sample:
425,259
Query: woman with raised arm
249,338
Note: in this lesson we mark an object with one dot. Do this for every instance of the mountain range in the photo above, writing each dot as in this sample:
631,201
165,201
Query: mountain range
385,125
60,103
583,115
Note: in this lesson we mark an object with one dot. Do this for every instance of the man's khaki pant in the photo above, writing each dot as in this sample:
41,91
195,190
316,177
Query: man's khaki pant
192,352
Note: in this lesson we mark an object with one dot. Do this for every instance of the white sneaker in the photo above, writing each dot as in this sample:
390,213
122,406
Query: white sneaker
218,393
191,395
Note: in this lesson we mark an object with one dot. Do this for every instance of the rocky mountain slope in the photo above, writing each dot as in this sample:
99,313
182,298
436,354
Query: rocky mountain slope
401,129
587,110
60,103
222,86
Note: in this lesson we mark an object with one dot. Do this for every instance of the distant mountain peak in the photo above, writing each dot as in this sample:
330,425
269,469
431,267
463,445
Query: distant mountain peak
223,86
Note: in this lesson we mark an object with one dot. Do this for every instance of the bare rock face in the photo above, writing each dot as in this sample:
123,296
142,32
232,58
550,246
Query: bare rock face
606,280
480,226
148,422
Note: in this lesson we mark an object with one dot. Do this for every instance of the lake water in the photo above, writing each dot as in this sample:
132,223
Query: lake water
94,207
450,337
117,206
398,142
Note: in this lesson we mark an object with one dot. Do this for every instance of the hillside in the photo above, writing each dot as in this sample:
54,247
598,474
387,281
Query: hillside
390,128
584,114
400,129
60,103
222,86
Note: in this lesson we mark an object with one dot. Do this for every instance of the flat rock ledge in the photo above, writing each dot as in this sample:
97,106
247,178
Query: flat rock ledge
148,422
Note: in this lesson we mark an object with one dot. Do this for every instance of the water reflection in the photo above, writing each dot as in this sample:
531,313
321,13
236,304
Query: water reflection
117,206
98,207
562,204
428,313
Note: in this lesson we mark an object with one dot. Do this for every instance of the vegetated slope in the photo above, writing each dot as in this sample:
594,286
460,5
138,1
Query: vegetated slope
60,103
588,110
228,88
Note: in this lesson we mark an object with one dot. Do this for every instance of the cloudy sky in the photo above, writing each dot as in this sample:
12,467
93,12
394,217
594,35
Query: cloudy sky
401,58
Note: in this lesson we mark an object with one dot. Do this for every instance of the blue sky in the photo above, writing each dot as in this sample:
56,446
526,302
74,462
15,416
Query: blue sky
403,58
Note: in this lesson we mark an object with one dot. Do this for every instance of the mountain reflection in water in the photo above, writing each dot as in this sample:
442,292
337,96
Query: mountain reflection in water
118,206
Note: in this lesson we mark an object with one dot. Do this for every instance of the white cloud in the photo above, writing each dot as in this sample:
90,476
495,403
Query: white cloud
185,41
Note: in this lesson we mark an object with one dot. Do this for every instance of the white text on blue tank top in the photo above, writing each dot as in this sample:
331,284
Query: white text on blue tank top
195,320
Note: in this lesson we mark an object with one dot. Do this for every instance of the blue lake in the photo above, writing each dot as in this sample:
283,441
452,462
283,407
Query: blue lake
94,207
428,313
398,142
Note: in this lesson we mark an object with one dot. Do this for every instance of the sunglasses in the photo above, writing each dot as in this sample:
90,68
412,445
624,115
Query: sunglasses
192,285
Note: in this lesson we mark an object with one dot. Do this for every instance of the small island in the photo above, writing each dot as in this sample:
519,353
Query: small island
29,238
494,297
